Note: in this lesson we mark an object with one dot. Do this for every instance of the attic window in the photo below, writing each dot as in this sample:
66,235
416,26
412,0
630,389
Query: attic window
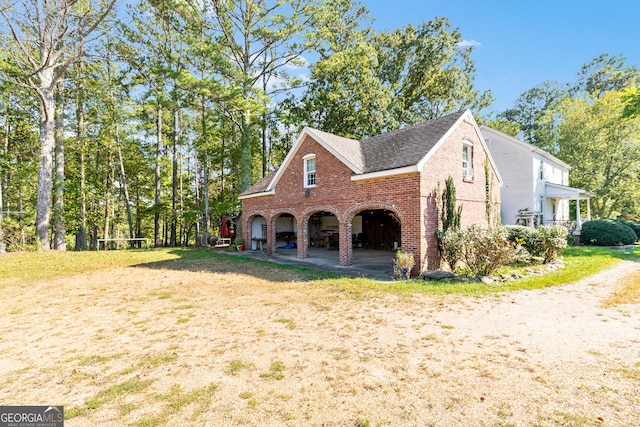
309,170
467,160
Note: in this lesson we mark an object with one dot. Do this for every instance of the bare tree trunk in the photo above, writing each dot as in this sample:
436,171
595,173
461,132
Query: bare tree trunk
156,219
207,216
125,189
60,232
123,175
174,186
81,234
7,129
196,183
45,165
107,204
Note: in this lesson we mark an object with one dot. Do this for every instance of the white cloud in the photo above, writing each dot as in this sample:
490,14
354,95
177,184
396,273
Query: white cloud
469,43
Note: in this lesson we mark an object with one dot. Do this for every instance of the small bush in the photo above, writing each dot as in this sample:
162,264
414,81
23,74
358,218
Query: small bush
606,232
552,241
451,247
487,249
527,237
403,263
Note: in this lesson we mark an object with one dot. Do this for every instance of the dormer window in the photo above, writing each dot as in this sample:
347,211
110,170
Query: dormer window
467,160
309,170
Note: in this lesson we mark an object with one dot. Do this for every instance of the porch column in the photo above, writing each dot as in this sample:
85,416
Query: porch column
578,219
588,209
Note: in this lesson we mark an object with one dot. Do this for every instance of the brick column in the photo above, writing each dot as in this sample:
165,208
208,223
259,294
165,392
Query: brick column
346,250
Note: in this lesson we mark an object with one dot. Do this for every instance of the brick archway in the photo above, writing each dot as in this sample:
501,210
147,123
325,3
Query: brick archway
304,230
394,234
254,235
272,231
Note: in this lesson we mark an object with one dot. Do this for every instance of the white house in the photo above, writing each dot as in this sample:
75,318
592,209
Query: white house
536,184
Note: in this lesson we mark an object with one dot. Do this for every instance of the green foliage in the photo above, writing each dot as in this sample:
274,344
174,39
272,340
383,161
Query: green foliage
18,236
450,215
451,246
530,107
634,225
604,73
505,126
368,82
527,237
553,240
606,232
602,149
631,99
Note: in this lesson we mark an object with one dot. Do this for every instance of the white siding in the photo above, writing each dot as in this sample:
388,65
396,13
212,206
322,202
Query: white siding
520,164
517,170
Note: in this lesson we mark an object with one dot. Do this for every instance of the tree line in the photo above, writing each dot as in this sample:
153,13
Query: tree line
149,118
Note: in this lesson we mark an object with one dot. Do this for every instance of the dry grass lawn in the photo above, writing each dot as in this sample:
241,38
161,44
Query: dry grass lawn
192,344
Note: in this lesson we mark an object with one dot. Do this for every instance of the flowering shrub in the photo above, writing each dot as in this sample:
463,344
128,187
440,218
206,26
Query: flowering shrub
526,237
486,249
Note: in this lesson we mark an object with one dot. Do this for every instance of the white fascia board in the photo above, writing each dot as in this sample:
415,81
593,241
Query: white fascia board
287,160
466,116
262,194
294,149
385,173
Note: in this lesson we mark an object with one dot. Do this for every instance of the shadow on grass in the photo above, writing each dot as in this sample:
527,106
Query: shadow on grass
206,260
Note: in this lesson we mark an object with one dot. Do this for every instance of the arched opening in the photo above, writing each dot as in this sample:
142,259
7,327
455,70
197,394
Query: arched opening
258,233
286,238
324,230
375,230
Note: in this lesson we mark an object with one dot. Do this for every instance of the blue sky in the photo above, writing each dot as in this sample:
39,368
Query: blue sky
521,43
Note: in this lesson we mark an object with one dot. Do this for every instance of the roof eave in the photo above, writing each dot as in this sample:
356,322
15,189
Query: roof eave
260,194
385,173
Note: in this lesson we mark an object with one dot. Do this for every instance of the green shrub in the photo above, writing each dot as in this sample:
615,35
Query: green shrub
607,232
487,249
634,225
451,246
552,241
527,237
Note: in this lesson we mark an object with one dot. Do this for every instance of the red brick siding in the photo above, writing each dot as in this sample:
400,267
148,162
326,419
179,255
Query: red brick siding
410,196
471,194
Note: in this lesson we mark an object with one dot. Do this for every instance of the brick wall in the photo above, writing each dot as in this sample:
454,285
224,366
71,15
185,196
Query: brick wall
411,196
470,193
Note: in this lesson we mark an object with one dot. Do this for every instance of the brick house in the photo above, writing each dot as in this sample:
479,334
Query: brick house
380,193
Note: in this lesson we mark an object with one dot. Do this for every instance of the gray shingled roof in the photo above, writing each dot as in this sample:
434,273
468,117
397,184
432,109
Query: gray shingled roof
349,149
392,150
405,147
260,186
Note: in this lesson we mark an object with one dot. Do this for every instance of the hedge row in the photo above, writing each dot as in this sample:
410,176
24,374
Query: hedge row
610,232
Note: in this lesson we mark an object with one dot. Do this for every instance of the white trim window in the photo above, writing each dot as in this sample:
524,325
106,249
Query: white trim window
467,160
309,170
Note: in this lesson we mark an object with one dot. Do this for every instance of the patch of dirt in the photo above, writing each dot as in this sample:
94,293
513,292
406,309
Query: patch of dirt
271,353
